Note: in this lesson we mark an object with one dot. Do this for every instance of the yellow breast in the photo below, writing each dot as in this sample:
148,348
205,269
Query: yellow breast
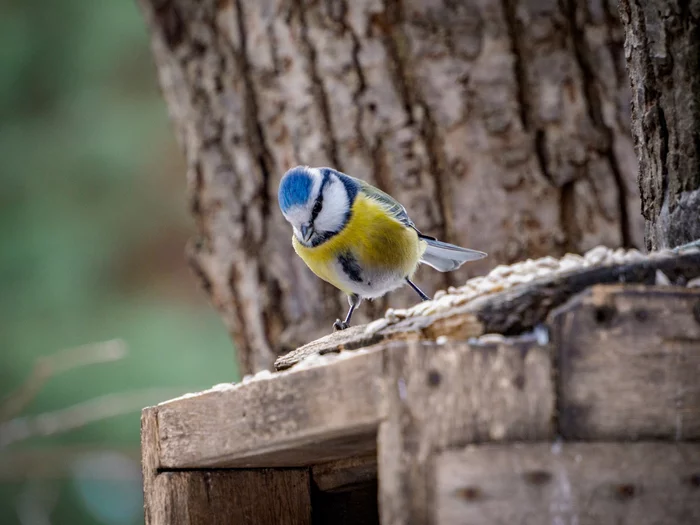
375,239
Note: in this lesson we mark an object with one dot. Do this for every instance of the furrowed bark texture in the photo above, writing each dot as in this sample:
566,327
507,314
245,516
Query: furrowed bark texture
500,125
662,47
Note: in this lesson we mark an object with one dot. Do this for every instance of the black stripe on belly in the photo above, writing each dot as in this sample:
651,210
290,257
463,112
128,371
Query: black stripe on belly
350,266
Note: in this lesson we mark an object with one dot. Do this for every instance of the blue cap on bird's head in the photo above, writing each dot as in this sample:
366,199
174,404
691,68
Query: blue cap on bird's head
295,188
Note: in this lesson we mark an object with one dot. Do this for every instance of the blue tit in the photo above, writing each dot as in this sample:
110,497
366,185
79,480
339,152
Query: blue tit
358,238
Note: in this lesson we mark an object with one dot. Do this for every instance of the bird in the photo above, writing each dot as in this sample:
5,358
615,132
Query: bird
358,238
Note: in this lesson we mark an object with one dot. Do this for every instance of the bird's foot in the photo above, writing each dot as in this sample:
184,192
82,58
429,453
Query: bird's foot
340,325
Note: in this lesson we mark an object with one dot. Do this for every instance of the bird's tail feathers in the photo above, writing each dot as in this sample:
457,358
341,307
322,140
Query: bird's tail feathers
445,257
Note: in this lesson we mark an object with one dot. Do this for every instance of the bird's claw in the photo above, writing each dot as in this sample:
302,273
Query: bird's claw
340,325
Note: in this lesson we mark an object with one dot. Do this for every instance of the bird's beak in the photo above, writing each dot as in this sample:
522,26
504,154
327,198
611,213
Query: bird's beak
306,232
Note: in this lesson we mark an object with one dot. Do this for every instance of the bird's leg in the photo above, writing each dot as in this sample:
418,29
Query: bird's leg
418,290
354,301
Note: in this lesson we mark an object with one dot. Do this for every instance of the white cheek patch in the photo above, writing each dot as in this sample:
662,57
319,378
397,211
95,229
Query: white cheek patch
335,207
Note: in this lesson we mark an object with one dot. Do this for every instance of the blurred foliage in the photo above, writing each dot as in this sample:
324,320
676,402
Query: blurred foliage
93,222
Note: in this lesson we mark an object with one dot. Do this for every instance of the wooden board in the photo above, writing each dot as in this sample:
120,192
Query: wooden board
629,363
298,418
150,460
436,396
510,312
230,497
569,484
345,474
457,324
332,412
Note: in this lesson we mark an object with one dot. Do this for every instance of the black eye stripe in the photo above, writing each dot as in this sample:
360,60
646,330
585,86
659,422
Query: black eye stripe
319,200
317,208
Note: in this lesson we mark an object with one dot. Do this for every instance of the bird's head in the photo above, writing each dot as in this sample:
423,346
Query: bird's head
316,202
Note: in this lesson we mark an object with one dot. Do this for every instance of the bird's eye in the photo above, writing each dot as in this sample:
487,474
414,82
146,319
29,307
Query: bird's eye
317,208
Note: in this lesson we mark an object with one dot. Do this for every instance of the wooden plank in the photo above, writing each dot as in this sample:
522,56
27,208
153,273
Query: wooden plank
512,311
345,474
629,363
520,309
235,497
569,484
230,497
436,396
303,417
150,460
455,325
318,414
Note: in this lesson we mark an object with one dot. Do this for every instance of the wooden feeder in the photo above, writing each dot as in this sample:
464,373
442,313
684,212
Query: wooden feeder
593,417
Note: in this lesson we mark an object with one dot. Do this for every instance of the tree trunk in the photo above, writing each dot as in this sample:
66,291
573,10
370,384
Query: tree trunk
662,47
501,126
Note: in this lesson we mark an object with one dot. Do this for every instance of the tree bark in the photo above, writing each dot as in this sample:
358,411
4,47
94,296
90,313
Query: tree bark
662,47
501,126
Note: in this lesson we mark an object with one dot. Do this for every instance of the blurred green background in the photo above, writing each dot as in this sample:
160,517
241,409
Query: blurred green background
93,223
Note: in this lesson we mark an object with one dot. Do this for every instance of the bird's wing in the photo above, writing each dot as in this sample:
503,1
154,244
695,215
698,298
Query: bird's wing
393,207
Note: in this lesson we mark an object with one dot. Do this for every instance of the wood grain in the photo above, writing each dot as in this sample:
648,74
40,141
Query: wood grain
629,363
569,484
458,324
230,497
436,396
318,414
509,312
298,418
344,474
622,364
150,460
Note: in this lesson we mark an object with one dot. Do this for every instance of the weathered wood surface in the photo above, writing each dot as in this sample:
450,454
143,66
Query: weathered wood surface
299,418
622,371
568,484
509,312
434,396
622,363
460,325
345,474
150,460
230,497
226,497
323,413
629,363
